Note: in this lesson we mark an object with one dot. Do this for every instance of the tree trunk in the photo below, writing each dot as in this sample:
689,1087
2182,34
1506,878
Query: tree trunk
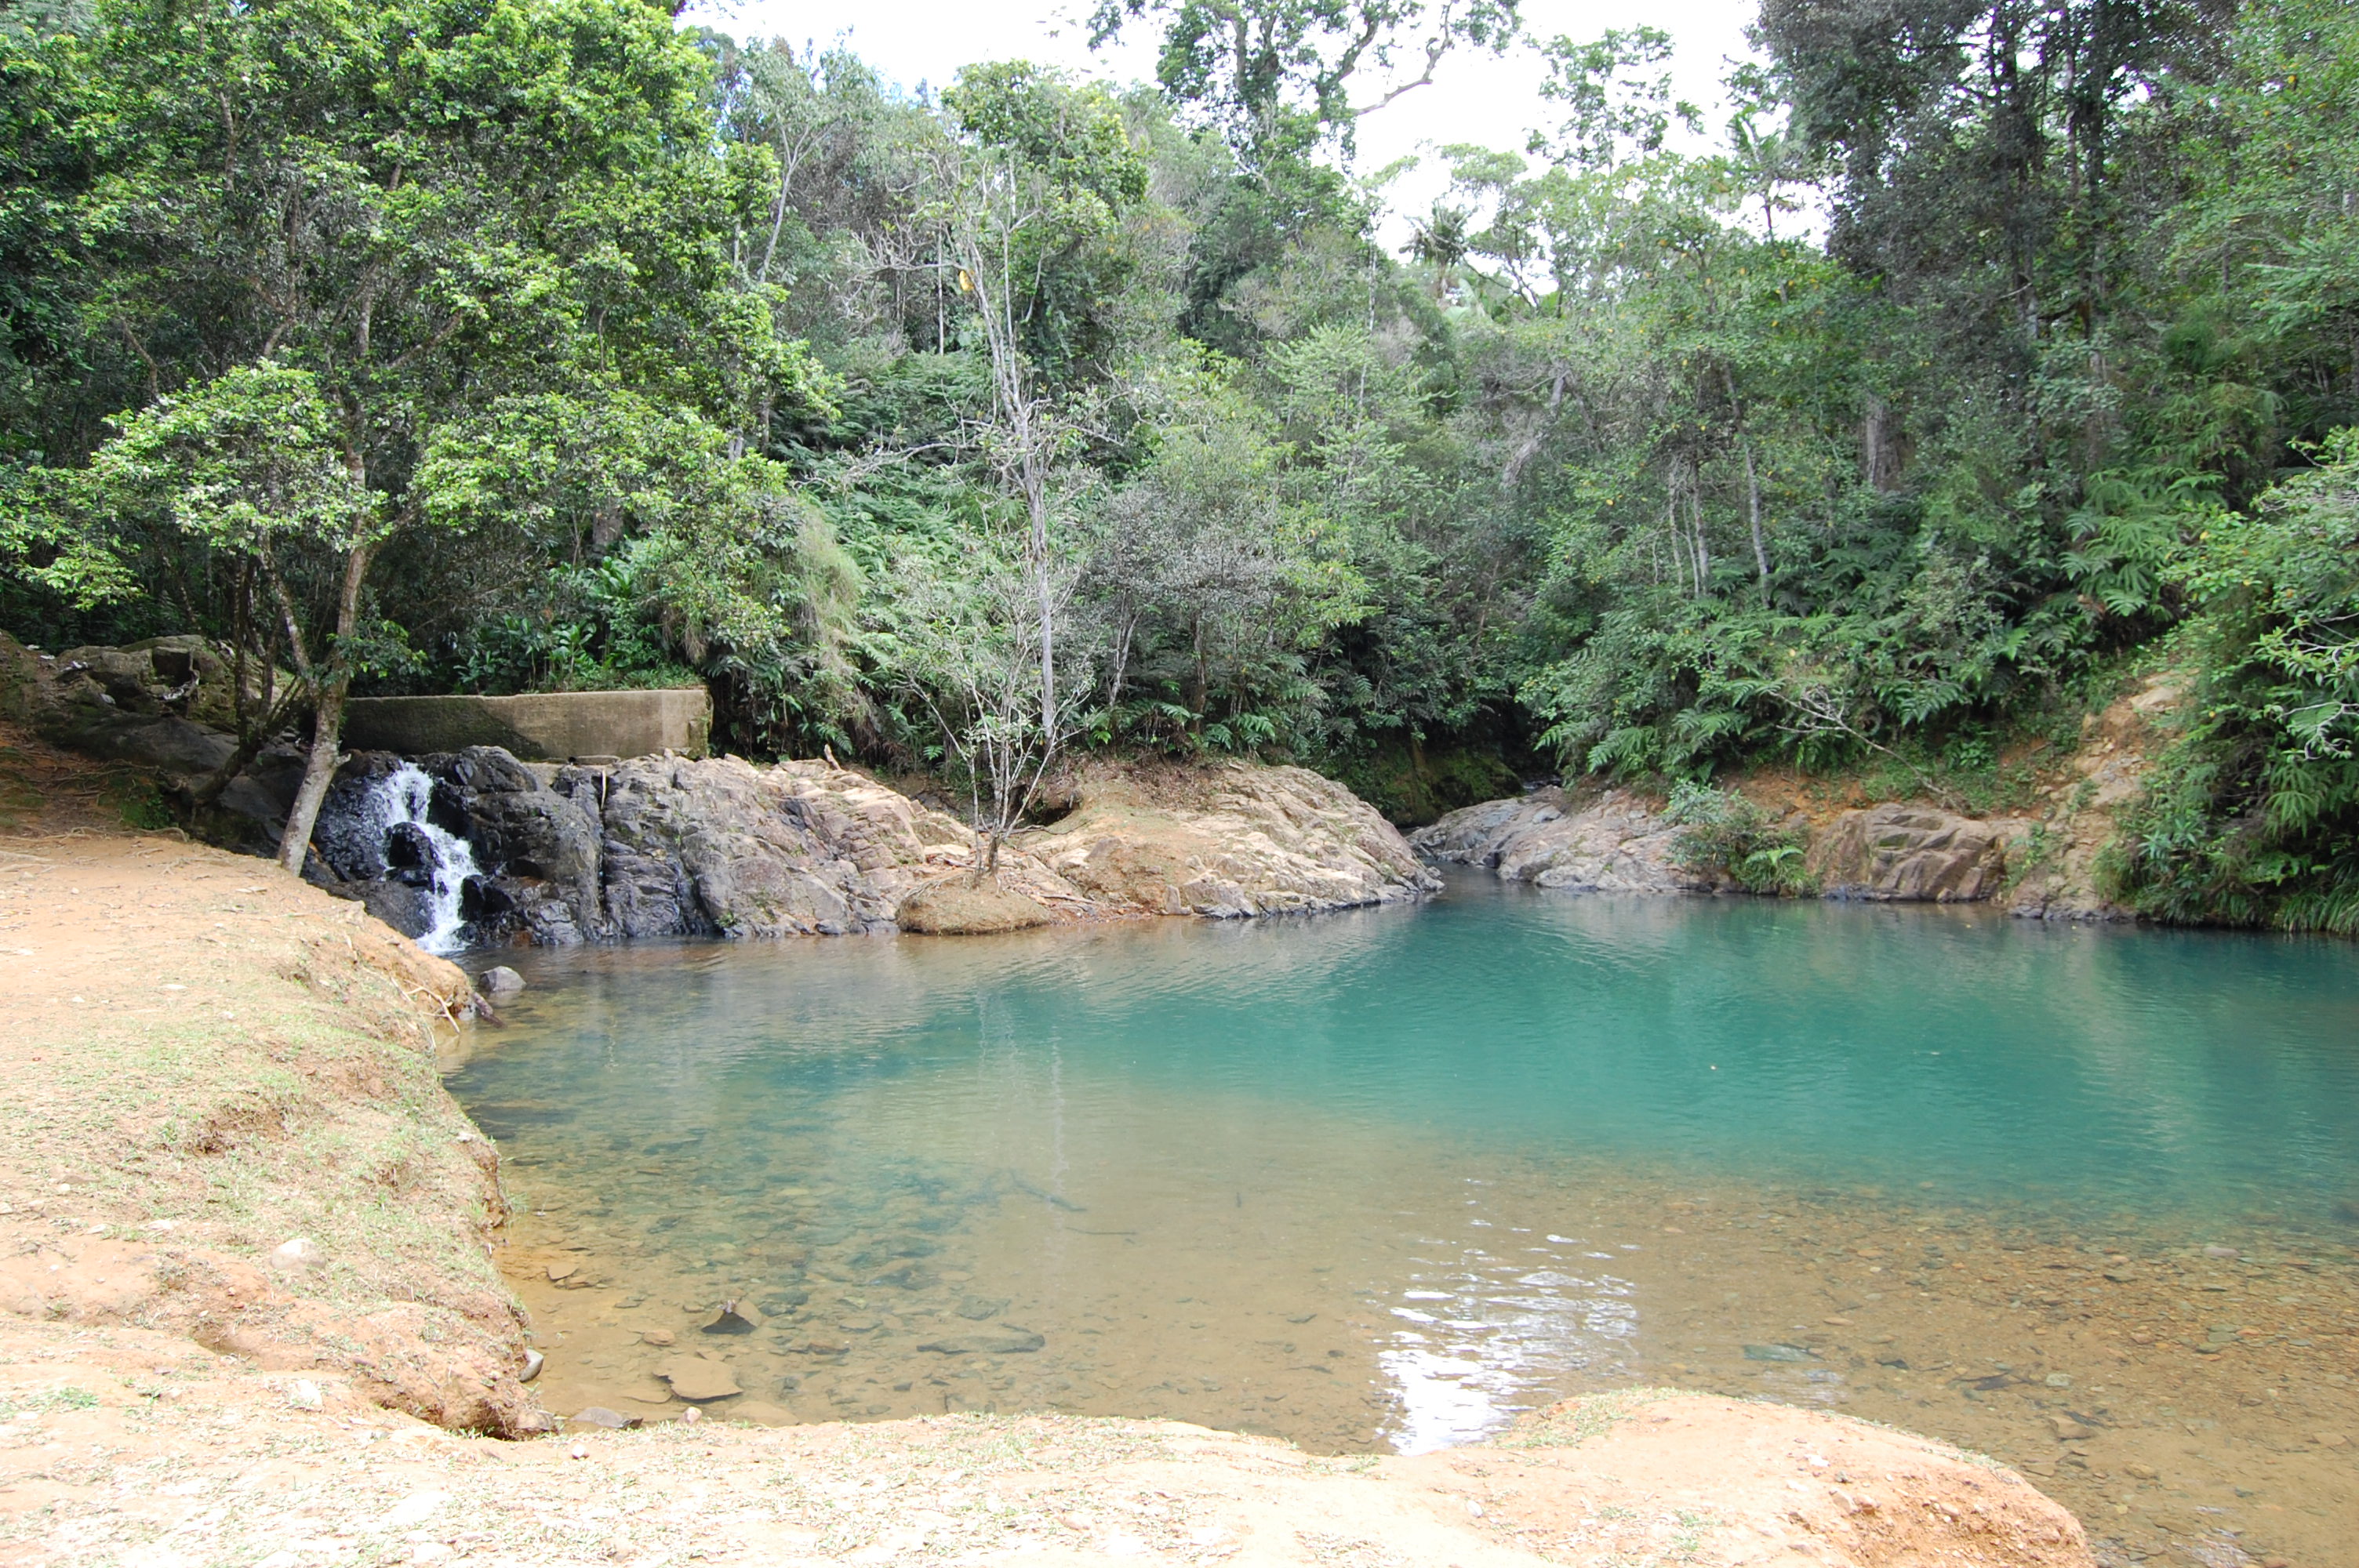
1753,503
328,718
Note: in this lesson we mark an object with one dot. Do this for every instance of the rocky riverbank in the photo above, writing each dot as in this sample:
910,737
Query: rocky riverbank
248,1315
2041,861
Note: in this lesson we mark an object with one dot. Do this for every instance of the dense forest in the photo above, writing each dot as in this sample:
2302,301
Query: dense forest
2001,348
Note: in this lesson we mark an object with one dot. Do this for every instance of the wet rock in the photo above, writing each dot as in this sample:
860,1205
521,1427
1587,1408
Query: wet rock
1613,842
558,1273
959,907
731,1317
761,1414
1906,853
600,1416
1775,1353
1004,1340
975,1309
699,1379
499,980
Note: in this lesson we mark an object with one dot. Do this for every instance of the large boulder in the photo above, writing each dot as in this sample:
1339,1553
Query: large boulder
962,906
1615,842
165,708
1233,839
1902,852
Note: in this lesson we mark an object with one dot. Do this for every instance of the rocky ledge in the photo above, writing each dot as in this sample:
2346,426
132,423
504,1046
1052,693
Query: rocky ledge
1615,842
1233,839
669,846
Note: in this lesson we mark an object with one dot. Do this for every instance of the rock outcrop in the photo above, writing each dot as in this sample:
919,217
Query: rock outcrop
1613,843
1234,840
2105,773
1902,852
672,847
659,845
167,707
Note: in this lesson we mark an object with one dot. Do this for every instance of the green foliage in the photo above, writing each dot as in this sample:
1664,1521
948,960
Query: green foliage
598,350
1722,833
2255,819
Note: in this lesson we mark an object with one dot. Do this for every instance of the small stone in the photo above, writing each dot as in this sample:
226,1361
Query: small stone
974,1309
1836,1322
305,1395
732,1317
298,1254
533,1362
2142,1472
2067,1430
691,1415
856,1324
2058,1379
600,1416
2330,1440
2222,1252
1775,1353
581,1450
561,1272
499,980
660,1337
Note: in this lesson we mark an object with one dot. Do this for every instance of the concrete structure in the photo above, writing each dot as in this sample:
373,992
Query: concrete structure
546,727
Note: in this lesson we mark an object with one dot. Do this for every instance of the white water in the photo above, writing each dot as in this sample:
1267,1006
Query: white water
403,796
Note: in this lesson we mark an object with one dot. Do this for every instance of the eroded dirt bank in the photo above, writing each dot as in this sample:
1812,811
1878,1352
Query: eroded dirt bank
223,1117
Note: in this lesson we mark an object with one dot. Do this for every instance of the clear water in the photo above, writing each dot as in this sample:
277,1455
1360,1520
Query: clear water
1384,1179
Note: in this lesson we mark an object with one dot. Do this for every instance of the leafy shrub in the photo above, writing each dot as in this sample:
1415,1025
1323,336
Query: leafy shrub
1721,831
2254,816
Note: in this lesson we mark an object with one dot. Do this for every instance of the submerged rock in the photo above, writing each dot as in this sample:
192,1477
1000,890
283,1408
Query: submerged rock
698,1379
1005,1340
730,1317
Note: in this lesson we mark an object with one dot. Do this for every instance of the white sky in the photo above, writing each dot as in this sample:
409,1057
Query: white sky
1473,98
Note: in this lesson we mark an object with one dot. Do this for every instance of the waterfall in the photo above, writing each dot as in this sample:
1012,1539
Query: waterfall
401,799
